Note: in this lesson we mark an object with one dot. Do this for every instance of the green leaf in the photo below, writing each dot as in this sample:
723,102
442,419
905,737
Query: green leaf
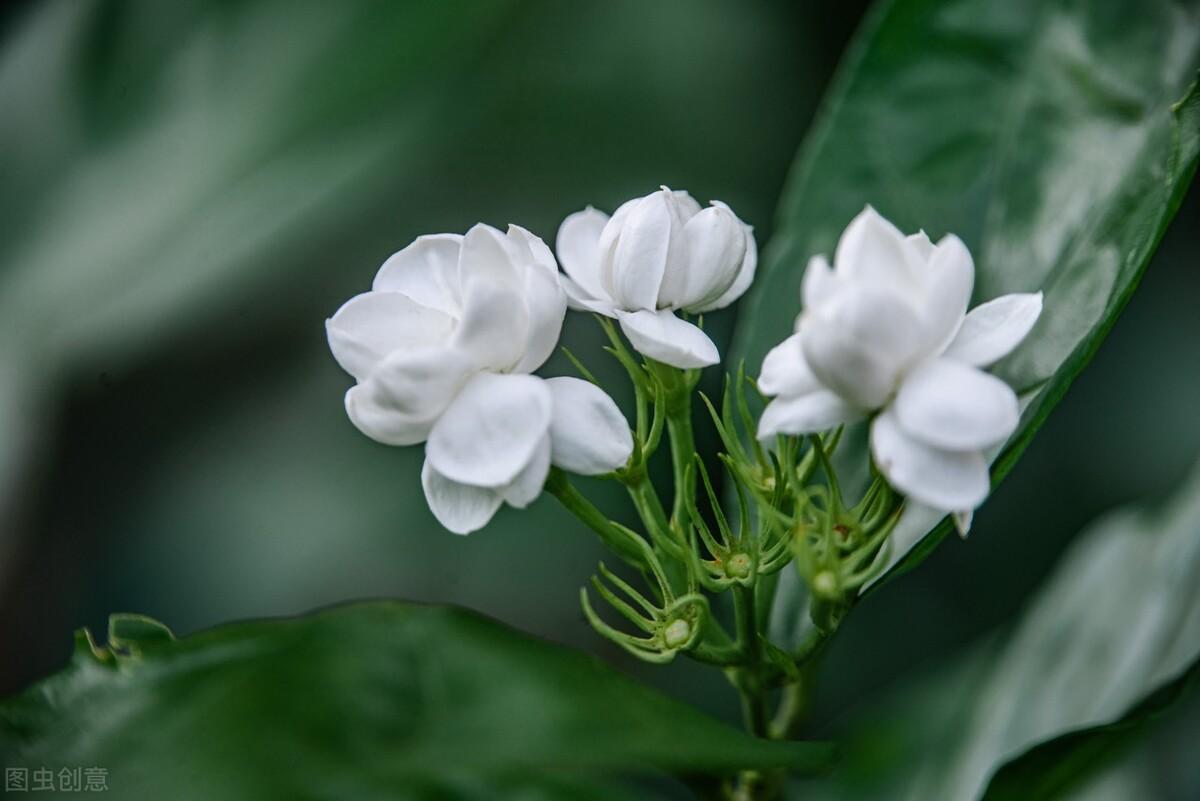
1051,770
1110,642
377,700
1119,625
1050,136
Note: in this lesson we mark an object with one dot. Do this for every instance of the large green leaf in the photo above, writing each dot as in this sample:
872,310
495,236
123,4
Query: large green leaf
377,700
1110,642
1053,769
1056,138
1161,764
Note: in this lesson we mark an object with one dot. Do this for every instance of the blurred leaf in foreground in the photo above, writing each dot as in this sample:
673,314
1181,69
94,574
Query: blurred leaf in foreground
1111,641
158,155
379,700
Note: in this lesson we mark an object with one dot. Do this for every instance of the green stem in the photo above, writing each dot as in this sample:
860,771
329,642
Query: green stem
754,710
749,678
664,539
725,656
830,474
793,705
793,701
747,623
764,599
810,648
683,451
558,485
648,506
826,615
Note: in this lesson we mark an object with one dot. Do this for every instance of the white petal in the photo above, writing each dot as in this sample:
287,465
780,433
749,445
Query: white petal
642,236
920,245
949,277
666,338
805,414
688,206
490,432
579,300
873,251
945,480
608,236
544,297
588,433
785,372
745,276
531,249
956,406
716,247
962,522
578,246
547,305
372,415
487,254
527,486
861,341
369,327
991,330
404,396
819,284
461,508
426,271
495,325
679,275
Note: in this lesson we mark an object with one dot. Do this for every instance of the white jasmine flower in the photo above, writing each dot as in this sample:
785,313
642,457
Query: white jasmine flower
887,330
441,348
656,255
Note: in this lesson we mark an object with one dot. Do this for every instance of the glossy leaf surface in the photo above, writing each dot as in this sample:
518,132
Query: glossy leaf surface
1055,138
377,700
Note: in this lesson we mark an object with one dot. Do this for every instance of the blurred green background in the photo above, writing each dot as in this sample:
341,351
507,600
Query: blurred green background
188,189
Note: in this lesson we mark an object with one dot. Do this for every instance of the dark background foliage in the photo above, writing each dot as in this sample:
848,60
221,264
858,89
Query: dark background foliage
224,174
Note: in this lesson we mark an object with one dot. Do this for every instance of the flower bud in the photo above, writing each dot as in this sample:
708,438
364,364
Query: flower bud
825,584
656,255
677,633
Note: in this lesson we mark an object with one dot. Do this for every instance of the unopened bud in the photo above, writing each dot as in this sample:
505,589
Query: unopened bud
677,633
825,584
